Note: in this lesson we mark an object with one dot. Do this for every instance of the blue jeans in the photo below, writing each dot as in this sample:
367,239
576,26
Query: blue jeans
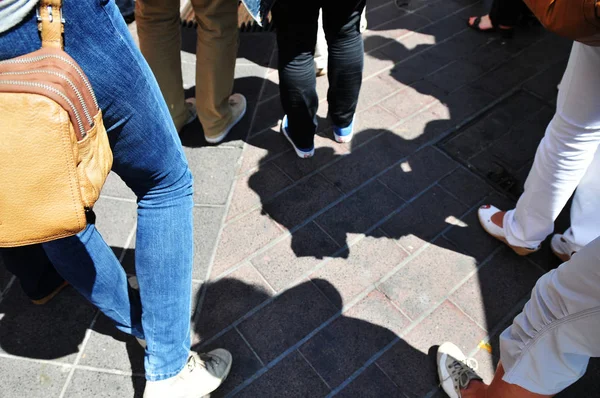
148,156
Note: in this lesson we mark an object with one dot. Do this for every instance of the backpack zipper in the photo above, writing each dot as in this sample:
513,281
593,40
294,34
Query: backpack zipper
65,78
55,91
61,58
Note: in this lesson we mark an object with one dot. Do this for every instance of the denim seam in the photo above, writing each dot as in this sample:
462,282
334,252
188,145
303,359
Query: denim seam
163,376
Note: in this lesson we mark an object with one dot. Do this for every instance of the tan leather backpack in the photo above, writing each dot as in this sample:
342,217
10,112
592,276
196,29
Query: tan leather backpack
54,150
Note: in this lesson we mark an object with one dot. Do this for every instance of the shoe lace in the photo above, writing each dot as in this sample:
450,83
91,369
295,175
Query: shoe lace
464,371
205,361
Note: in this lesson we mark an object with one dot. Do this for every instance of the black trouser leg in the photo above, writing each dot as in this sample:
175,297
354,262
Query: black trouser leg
31,266
507,12
341,22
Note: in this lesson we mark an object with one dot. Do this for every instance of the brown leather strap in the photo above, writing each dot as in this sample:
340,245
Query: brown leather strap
50,23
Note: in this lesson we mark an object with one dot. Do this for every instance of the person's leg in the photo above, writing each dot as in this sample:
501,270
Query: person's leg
159,31
296,23
148,156
321,53
549,344
507,13
36,274
564,154
216,53
585,221
346,58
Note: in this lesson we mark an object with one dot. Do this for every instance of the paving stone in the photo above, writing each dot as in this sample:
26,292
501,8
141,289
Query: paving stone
413,99
301,201
368,160
467,101
423,219
492,126
31,380
357,269
465,186
372,383
114,186
496,288
109,348
341,348
268,114
245,362
444,28
229,298
505,78
413,44
419,347
455,75
267,181
378,61
261,148
207,224
388,32
285,321
418,172
242,238
516,148
359,212
548,51
545,83
106,385
374,90
428,279
370,123
294,256
52,331
426,126
213,170
416,68
438,10
326,150
292,377
115,221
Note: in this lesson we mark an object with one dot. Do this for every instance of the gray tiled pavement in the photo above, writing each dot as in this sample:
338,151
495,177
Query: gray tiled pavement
337,275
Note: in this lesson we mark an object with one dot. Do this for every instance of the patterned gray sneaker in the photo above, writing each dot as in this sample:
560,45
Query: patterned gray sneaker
202,375
455,370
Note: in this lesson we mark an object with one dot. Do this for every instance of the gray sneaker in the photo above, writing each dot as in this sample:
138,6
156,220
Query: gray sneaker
203,374
237,103
455,370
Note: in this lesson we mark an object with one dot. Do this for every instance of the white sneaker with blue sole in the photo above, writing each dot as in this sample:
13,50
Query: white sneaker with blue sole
302,153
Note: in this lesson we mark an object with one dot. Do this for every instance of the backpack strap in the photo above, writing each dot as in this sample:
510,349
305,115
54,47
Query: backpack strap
51,23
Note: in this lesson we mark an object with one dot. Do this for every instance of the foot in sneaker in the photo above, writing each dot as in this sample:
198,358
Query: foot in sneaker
455,371
562,248
202,374
237,103
301,152
344,134
192,113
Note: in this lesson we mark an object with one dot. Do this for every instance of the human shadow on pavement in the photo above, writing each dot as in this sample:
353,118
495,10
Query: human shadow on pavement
275,339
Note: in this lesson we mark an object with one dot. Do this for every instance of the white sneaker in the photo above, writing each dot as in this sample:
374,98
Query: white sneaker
237,103
485,214
202,375
455,370
562,248
303,153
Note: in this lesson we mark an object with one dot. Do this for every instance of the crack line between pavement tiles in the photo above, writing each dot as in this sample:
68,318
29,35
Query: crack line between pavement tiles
372,287
203,288
86,338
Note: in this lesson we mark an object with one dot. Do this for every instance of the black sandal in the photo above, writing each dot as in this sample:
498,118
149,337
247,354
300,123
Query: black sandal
505,33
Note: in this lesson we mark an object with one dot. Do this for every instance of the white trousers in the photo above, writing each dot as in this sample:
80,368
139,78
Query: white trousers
548,346
567,158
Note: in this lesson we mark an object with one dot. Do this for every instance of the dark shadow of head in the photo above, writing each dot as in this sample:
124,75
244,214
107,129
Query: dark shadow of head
337,344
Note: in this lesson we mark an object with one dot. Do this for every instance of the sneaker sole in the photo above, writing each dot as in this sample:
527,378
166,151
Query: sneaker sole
521,251
301,154
343,139
225,133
